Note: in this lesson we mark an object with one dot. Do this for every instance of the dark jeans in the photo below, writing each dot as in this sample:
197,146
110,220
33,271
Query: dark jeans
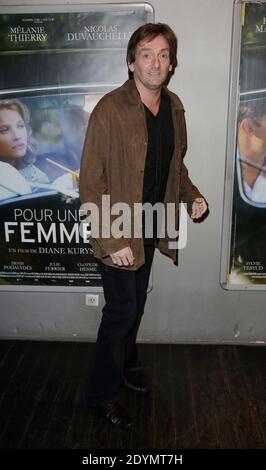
125,295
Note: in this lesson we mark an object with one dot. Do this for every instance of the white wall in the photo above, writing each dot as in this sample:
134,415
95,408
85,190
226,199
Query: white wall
187,303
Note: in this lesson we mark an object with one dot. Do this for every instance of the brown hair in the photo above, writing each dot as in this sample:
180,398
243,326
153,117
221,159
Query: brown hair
254,109
150,31
16,105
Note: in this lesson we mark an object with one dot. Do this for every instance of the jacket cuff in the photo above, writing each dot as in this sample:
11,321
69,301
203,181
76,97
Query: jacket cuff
112,245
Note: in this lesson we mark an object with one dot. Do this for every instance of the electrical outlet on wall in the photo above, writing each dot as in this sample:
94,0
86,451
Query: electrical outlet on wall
92,300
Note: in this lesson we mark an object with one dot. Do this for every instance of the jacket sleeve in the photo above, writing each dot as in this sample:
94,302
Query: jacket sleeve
188,192
94,179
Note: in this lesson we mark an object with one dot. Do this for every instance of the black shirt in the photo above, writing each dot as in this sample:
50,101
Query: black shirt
159,154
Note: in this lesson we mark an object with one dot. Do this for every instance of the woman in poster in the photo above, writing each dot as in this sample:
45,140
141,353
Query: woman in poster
17,149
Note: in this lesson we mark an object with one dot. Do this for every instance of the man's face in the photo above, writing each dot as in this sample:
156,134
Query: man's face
152,63
260,133
252,138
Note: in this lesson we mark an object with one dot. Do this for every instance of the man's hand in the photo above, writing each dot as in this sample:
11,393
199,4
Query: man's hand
199,207
123,257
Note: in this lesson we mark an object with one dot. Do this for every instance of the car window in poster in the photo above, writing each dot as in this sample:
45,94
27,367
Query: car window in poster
247,245
54,68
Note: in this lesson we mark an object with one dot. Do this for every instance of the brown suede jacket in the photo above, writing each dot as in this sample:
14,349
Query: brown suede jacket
113,164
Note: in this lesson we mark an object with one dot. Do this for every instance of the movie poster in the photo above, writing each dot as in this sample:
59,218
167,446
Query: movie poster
248,234
54,68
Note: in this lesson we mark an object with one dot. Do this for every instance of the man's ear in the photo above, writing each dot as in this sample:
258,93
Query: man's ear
131,67
170,68
248,126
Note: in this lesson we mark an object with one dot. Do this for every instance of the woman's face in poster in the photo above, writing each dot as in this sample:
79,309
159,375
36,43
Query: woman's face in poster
13,136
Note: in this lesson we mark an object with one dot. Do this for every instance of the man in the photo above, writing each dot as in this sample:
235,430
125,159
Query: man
133,151
251,158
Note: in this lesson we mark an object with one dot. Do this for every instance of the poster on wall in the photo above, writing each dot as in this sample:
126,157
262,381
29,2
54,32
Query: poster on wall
56,62
245,248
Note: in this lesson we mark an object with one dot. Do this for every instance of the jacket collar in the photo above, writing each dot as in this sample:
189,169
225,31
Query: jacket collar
132,96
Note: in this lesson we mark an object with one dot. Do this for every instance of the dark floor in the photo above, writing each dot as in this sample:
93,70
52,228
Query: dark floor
202,397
